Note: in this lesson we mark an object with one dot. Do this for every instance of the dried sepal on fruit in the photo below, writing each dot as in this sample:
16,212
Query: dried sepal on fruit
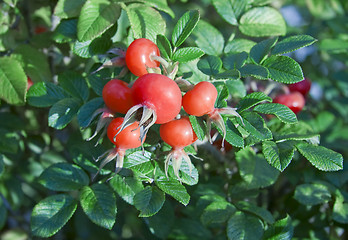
128,138
178,134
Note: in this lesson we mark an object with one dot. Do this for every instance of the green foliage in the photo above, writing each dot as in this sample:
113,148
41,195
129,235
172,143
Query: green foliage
51,214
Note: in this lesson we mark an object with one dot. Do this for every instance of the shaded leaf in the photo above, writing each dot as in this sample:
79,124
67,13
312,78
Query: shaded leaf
243,226
99,203
62,112
149,201
312,194
64,177
51,214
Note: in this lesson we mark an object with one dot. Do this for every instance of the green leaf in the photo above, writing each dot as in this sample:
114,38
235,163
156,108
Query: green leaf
62,112
45,94
225,10
161,5
149,201
208,38
126,187
280,230
223,94
236,88
278,155
233,136
3,214
13,81
64,177
260,212
187,54
164,46
90,48
283,69
312,194
66,31
312,138
217,212
173,188
243,226
251,100
255,170
262,22
260,51
210,65
255,71
99,203
191,72
85,114
155,222
339,211
293,43
320,157
187,177
239,45
34,62
8,141
2,166
51,214
334,45
95,18
146,22
232,74
281,111
68,9
184,27
198,126
139,161
255,125
74,84
235,60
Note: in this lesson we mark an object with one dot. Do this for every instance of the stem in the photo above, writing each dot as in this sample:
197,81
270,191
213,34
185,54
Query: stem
161,60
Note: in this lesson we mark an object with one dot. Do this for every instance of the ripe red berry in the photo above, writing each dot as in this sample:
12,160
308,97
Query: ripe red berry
303,87
159,93
200,100
178,133
138,56
117,96
295,101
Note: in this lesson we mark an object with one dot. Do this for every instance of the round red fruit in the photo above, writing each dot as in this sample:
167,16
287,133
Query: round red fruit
128,138
117,96
200,100
295,101
178,133
303,87
138,56
159,93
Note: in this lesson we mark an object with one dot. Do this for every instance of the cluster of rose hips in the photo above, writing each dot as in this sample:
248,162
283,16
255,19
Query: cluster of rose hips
295,98
155,98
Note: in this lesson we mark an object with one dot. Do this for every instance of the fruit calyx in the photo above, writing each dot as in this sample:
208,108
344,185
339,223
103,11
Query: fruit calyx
215,117
105,118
